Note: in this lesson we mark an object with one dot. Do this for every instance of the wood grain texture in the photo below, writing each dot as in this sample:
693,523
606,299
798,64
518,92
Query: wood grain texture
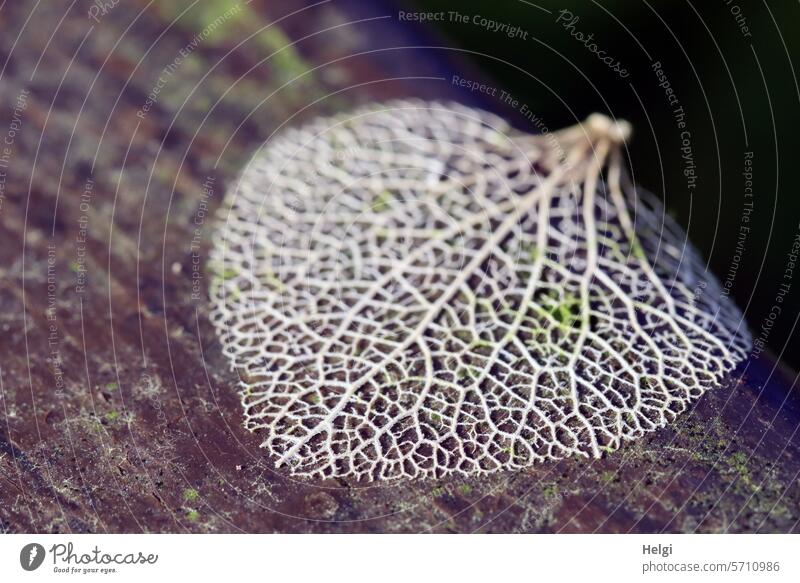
117,410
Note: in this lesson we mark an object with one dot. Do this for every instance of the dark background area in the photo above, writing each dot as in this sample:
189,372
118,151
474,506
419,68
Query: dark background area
737,87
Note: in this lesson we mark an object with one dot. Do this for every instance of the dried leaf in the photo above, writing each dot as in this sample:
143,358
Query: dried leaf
416,289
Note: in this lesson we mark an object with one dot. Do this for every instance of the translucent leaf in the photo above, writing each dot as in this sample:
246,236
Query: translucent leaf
416,289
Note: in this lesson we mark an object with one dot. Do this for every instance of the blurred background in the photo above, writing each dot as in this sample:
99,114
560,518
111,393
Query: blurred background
730,65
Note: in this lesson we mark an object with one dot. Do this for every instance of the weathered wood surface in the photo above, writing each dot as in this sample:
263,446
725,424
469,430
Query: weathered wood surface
117,410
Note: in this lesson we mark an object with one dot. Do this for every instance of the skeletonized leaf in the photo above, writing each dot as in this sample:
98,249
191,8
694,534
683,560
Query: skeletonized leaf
416,289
